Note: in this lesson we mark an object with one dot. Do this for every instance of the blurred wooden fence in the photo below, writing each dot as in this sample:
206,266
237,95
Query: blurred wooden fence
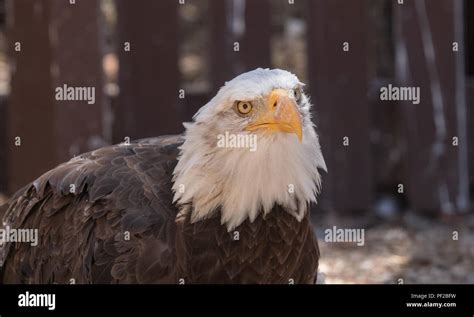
61,44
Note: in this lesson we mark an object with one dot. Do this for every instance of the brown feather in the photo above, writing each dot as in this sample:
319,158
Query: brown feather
119,225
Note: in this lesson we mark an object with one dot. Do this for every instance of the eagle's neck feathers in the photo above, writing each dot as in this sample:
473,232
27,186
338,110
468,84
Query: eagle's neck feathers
241,183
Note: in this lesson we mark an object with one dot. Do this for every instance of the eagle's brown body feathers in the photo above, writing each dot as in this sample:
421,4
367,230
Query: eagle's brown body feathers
108,217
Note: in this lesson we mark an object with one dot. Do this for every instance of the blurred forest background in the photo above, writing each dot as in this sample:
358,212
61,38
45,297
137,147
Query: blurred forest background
405,174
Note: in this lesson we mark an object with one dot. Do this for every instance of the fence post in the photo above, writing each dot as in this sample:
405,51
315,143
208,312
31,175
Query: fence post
148,77
48,51
257,36
240,32
3,145
430,55
470,90
469,50
337,59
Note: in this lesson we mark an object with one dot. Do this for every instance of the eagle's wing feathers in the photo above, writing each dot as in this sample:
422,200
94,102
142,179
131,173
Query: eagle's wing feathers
106,216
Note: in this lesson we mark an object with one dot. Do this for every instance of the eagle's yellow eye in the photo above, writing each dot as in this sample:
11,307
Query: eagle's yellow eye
244,107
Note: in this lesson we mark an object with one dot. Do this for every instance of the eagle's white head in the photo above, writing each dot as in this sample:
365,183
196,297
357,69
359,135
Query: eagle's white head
251,147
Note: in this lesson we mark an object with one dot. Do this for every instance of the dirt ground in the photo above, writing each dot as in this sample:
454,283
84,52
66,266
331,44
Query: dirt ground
409,250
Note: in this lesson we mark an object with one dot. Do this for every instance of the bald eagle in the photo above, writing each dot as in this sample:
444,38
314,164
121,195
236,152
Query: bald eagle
183,209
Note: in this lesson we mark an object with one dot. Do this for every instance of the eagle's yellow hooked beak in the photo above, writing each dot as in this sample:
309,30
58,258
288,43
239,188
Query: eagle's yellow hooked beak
281,115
